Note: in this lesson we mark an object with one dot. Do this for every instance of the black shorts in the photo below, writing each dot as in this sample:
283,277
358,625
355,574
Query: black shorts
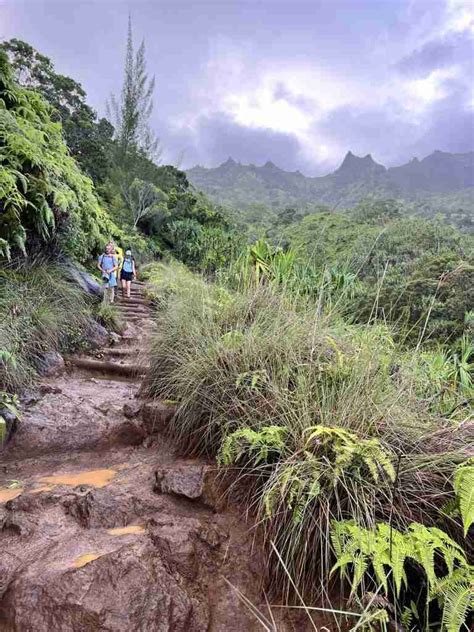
126,276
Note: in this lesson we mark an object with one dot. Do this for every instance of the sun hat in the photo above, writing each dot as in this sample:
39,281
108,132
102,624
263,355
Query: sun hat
128,253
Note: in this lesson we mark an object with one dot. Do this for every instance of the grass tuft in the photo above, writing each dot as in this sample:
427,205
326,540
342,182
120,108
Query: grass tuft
323,420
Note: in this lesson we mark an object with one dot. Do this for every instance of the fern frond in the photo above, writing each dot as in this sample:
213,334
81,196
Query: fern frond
456,594
464,488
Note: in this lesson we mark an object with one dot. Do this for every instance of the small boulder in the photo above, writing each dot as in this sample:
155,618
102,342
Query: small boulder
195,482
114,338
132,409
96,335
83,279
50,364
156,416
128,433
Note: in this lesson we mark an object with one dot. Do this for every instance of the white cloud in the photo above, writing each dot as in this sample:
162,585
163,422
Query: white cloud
459,16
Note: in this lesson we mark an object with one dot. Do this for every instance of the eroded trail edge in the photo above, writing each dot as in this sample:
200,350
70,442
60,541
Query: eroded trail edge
101,526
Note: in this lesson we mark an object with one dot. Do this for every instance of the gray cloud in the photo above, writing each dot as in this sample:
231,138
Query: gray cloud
449,122
392,136
379,131
305,104
216,137
438,53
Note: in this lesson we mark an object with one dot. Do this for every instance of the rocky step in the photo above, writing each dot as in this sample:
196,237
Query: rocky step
134,312
124,555
127,370
121,351
137,318
142,309
132,301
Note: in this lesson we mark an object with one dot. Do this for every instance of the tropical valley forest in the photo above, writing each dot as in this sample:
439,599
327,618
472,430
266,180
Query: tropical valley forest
276,431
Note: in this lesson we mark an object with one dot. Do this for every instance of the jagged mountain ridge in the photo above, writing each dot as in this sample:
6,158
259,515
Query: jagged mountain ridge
439,174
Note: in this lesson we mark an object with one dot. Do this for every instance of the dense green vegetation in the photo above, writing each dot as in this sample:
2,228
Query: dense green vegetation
44,197
132,198
415,273
326,424
40,314
440,184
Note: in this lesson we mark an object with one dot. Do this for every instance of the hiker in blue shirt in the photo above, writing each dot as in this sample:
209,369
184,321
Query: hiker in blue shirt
128,272
108,264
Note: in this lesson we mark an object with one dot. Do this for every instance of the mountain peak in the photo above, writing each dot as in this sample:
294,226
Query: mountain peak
270,165
352,159
230,162
354,167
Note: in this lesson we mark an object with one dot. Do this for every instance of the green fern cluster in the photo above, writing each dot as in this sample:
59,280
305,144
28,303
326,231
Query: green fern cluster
42,191
348,452
255,445
329,455
464,488
293,487
385,550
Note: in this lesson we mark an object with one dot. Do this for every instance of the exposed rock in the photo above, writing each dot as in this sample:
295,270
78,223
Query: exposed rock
114,338
96,335
45,389
156,416
211,535
195,482
175,543
130,331
129,432
132,409
64,422
95,508
83,279
49,364
75,592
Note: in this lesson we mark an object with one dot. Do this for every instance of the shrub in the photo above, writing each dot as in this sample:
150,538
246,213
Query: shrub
39,312
109,317
323,420
45,200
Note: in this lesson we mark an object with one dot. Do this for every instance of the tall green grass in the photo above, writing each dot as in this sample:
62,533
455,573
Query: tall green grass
40,312
324,421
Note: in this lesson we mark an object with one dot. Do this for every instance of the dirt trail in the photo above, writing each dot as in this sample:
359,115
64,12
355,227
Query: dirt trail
101,526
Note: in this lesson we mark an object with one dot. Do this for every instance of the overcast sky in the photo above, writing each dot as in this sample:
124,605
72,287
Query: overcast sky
298,82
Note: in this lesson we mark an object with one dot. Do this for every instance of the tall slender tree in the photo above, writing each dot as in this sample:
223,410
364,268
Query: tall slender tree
131,112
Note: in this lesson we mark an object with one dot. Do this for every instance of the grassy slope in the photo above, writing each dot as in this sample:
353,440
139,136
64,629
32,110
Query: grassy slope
257,373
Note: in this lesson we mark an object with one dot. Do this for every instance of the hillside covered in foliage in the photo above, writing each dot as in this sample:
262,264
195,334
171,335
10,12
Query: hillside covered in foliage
442,183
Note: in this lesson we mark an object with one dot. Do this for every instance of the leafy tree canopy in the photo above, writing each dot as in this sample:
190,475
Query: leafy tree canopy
88,139
44,197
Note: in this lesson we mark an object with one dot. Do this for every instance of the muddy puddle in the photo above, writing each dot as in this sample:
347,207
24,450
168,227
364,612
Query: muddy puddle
126,530
84,559
7,494
93,478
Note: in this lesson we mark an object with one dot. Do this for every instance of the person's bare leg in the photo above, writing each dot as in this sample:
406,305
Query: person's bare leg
124,283
112,294
129,286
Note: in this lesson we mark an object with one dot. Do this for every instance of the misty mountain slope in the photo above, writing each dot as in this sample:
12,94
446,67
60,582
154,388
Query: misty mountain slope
429,180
